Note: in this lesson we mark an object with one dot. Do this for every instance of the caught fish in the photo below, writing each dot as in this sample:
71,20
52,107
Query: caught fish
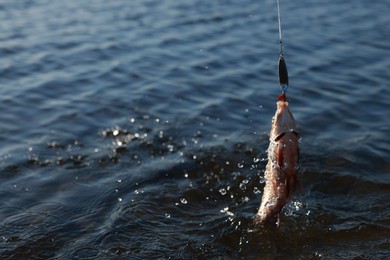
281,170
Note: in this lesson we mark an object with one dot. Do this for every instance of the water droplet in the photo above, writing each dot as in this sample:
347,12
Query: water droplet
167,215
227,212
119,199
222,191
255,160
298,205
242,186
183,200
136,192
115,132
245,181
240,165
256,190
119,180
132,120
262,179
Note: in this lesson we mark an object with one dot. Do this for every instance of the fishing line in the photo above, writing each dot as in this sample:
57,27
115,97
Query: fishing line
283,74
280,31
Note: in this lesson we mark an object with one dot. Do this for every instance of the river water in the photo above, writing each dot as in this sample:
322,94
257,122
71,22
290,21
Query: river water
139,129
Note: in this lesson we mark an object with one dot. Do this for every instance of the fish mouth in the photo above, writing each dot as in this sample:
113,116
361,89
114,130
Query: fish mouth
270,215
284,120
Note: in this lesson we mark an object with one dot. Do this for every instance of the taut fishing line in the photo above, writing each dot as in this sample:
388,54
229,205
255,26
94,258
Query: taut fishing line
283,74
280,31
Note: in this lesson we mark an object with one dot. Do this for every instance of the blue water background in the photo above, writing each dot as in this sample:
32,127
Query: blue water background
139,129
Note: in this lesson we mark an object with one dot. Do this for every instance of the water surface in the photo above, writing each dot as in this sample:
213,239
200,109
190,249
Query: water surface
139,129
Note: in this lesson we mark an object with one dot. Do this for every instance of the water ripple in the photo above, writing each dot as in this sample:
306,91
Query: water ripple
138,129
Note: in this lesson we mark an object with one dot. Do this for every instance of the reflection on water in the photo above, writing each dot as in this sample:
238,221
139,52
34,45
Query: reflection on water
139,129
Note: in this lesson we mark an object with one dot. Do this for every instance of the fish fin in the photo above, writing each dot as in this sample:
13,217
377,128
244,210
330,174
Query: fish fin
280,157
279,136
297,134
291,183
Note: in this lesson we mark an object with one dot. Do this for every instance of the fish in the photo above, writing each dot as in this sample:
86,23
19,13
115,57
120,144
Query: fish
282,166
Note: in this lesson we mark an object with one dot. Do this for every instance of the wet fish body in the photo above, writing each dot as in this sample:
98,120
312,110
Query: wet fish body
281,170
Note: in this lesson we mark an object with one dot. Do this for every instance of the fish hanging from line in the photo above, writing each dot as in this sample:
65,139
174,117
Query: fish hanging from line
283,152
281,170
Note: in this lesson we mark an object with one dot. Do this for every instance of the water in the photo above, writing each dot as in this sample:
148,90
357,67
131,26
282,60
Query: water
138,129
